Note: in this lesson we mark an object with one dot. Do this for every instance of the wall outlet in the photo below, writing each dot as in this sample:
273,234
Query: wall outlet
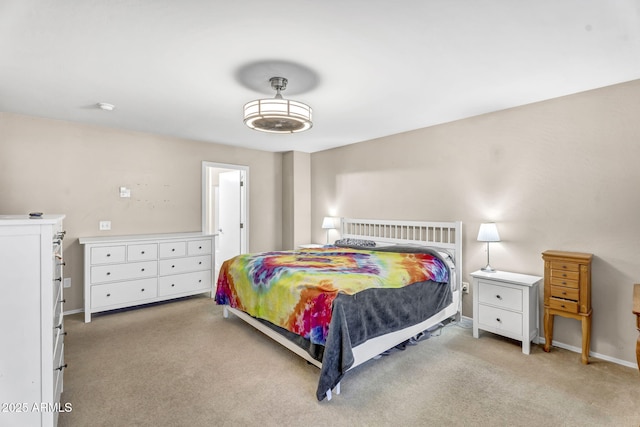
465,287
66,282
105,225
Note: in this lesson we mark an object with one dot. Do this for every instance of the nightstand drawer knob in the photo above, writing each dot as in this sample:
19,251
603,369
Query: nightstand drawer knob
498,319
498,296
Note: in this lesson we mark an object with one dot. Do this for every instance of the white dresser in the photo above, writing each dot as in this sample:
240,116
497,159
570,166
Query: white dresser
506,303
32,349
124,271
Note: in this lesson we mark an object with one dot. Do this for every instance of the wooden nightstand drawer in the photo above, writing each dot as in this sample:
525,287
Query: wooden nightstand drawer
500,296
564,305
565,293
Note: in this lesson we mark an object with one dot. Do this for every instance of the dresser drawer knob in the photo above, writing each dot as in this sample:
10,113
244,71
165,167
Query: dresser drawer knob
498,320
498,296
59,326
108,273
562,305
200,281
142,253
60,368
108,295
173,250
108,255
63,301
173,285
142,269
200,263
142,290
173,266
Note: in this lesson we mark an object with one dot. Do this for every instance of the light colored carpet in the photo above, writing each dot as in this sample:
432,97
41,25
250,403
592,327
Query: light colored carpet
183,364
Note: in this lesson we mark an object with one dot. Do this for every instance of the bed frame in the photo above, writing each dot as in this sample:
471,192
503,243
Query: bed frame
445,236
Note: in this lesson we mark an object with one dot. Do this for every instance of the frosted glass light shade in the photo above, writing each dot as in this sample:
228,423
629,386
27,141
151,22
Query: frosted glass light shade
328,223
277,115
488,232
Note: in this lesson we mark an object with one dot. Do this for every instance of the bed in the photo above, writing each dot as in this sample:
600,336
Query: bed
381,285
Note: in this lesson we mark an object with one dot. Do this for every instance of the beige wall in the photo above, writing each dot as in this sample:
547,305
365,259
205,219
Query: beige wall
561,174
296,200
60,167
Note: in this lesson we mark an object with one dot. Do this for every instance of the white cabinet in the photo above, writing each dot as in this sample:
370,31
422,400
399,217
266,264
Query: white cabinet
506,304
124,271
31,303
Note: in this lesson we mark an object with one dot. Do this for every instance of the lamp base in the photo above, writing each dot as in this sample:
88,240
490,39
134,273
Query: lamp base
488,269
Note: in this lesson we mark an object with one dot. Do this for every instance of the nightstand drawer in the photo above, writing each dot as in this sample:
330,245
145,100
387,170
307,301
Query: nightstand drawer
564,305
500,296
503,320
565,293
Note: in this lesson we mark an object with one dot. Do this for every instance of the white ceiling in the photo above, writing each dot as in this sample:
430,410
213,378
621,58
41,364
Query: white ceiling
369,68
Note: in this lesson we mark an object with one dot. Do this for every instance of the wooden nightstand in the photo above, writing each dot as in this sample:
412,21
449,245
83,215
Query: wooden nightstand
567,293
506,304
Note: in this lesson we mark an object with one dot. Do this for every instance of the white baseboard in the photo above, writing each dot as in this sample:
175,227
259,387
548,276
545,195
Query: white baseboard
575,349
77,310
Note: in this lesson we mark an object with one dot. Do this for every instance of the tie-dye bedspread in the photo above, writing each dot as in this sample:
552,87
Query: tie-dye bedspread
295,289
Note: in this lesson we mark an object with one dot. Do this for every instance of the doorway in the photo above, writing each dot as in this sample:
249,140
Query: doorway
224,209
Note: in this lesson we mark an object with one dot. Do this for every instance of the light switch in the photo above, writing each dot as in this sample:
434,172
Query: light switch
105,225
125,192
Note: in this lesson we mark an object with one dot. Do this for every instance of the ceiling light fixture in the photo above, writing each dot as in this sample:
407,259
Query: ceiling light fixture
277,115
106,107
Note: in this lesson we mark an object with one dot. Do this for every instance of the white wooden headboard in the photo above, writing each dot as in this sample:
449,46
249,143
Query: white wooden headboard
444,235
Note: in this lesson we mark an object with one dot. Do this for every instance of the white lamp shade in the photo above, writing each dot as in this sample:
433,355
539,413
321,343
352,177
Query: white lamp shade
328,223
488,232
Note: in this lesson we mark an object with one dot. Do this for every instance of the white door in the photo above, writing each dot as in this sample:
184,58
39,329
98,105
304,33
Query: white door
230,214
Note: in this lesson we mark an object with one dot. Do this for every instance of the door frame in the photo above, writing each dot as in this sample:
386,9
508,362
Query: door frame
244,212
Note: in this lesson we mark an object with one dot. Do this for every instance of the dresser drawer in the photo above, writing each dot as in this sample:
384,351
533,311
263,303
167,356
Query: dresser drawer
179,283
564,266
173,249
108,254
57,287
58,374
112,273
144,252
564,274
503,320
500,296
199,247
565,293
57,311
559,281
564,305
124,292
185,265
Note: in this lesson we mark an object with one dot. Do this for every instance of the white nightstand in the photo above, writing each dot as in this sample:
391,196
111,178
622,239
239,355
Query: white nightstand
506,304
